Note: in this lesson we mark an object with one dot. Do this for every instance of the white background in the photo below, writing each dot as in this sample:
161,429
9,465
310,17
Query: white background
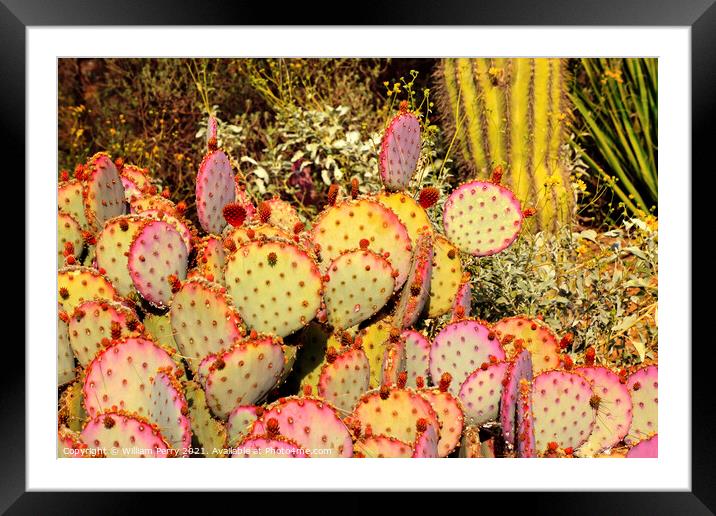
670,471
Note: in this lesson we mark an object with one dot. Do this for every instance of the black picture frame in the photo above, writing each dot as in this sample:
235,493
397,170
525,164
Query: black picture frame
700,15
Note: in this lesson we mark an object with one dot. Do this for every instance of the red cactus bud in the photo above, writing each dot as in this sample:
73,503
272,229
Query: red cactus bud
264,212
384,392
569,451
298,227
272,428
79,172
368,433
568,362
421,425
165,193
492,359
326,278
552,446
331,355
354,188
402,379
451,254
234,214
152,189
259,411
181,207
272,258
64,175
589,356
108,422
445,380
403,106
420,382
484,366
332,194
428,197
70,260
497,174
364,243
459,312
253,334
250,233
529,212
209,276
64,293
566,340
119,163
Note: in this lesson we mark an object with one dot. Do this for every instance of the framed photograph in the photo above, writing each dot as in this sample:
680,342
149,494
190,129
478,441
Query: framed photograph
416,244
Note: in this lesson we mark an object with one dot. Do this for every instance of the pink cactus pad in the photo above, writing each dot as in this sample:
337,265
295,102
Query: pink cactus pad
120,376
394,412
155,203
463,301
343,381
69,200
460,348
312,423
69,232
203,320
76,285
561,409
168,409
112,250
137,176
65,359
643,386
393,362
613,404
344,226
450,414
103,192
264,447
417,286
211,258
275,286
382,447
244,374
518,369
646,449
122,435
214,190
533,335
132,192
417,356
426,444
240,421
526,446
400,151
156,254
181,225
482,218
359,283
480,393
94,321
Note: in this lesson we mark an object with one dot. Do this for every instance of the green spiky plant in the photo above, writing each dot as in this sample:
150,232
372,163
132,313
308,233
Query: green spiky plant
512,113
617,128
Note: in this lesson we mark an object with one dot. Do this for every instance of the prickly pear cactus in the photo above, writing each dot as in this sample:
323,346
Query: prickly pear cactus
518,368
463,300
374,340
103,192
240,421
159,328
446,277
460,348
409,211
211,258
182,227
312,423
426,444
276,286
157,259
450,414
363,224
613,405
243,374
210,433
311,355
395,413
280,214
123,435
78,284
482,218
480,393
357,285
69,201
236,237
71,411
417,356
96,322
562,409
168,408
381,446
203,320
344,378
417,286
112,250
214,190
643,388
400,150
646,449
65,360
533,335
69,235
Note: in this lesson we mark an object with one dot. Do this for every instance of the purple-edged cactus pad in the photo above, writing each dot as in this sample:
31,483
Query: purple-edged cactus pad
417,286
417,356
460,348
518,369
450,414
426,444
344,380
533,335
480,393
482,218
122,435
103,191
168,409
643,388
214,190
239,422
400,150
